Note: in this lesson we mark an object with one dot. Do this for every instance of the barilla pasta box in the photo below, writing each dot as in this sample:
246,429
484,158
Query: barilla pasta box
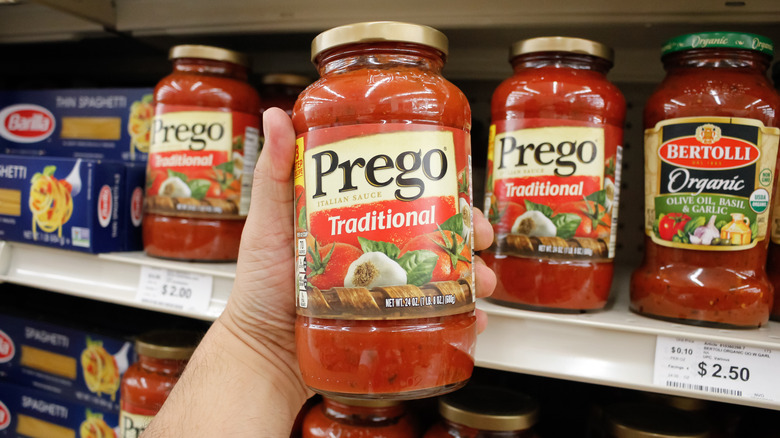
27,412
68,203
73,364
132,206
101,124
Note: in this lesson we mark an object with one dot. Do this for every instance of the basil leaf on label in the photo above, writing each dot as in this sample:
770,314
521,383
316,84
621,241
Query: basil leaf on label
544,209
753,231
199,188
181,176
599,197
49,170
227,166
566,224
302,218
454,224
385,248
419,266
694,223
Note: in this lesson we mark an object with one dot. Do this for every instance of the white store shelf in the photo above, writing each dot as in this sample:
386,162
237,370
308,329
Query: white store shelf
112,277
614,347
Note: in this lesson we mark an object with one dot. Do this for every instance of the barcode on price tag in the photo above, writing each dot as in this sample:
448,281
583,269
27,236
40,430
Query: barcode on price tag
717,368
170,289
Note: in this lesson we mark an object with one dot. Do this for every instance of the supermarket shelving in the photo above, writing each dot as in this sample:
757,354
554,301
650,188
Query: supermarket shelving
613,347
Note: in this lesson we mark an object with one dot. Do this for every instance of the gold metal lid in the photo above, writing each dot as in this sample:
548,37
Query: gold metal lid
489,408
286,79
378,31
208,52
561,44
646,420
168,344
366,403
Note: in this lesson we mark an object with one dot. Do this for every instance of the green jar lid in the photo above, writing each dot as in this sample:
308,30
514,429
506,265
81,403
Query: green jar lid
712,40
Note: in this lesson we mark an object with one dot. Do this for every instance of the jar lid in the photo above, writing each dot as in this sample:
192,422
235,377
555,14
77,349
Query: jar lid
645,420
365,402
713,40
208,52
579,46
489,408
379,31
286,79
168,344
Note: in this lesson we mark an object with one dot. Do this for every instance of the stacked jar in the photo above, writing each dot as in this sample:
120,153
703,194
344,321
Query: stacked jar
356,418
711,142
554,158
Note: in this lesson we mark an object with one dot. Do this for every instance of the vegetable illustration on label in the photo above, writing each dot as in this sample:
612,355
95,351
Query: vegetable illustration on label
376,228
711,177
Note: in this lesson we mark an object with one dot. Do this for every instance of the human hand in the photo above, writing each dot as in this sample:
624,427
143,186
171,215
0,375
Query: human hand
254,338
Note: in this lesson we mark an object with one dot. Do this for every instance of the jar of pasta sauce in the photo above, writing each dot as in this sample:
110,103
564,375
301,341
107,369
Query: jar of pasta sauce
485,412
203,149
553,169
162,356
385,294
711,142
647,420
358,418
281,90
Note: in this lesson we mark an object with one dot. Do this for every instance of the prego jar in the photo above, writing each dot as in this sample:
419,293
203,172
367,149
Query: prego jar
485,412
553,169
385,295
162,356
203,149
711,141
357,418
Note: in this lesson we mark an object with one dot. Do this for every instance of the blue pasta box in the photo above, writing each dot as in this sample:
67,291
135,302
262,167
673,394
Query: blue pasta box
69,203
133,205
74,364
100,124
27,412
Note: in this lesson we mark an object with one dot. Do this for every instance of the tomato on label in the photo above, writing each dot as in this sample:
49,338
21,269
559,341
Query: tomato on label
454,254
669,224
504,214
214,191
328,264
592,214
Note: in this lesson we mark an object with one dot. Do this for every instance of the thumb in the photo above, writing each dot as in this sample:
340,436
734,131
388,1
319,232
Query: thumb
269,224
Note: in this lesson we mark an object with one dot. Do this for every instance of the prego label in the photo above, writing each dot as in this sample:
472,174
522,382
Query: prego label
708,182
552,189
383,217
201,162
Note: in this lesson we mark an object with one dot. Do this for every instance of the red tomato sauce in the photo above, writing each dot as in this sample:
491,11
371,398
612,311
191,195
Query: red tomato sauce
358,419
147,383
382,83
722,288
551,90
202,85
394,356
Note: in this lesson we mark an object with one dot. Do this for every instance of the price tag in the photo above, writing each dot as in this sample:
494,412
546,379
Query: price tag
185,291
717,368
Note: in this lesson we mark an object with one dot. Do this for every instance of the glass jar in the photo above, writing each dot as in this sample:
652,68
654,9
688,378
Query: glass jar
385,297
553,176
355,418
162,356
710,156
203,149
646,420
485,412
281,90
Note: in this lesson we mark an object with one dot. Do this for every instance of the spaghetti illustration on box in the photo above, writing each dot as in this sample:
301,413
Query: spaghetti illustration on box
51,201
